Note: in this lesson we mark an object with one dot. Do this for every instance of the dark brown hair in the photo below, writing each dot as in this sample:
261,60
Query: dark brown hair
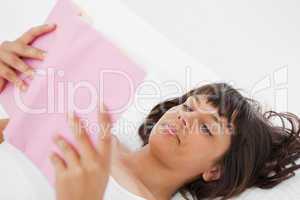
261,153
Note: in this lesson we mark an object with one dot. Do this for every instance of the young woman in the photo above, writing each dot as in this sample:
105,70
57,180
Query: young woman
210,142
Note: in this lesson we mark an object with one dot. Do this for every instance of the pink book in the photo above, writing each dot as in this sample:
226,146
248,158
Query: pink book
81,67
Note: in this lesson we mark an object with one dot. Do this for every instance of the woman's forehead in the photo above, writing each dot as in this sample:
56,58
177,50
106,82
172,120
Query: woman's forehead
201,103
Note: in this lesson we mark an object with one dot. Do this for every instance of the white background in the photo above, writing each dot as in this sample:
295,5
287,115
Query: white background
244,41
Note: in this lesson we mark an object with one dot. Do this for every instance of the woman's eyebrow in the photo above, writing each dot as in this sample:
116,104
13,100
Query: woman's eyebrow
214,117
197,99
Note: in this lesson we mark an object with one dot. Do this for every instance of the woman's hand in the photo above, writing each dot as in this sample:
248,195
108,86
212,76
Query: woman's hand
83,173
12,52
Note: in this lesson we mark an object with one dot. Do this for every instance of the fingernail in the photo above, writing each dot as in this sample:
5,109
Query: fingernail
102,107
43,55
23,87
61,143
51,25
71,115
30,73
102,136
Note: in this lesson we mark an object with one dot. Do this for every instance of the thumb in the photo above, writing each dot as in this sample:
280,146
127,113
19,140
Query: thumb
2,84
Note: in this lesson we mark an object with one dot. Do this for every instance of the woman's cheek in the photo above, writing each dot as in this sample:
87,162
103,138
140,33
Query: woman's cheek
198,145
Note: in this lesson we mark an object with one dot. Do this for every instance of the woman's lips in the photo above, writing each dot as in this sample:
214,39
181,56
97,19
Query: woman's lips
170,129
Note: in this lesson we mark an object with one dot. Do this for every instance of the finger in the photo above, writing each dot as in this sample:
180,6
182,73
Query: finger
35,32
69,154
104,121
26,51
15,62
2,84
85,146
58,163
104,146
9,74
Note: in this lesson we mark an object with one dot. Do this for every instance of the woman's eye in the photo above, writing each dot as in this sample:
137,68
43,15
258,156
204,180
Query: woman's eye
205,129
187,108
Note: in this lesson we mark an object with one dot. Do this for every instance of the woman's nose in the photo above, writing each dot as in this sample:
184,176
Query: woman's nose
182,120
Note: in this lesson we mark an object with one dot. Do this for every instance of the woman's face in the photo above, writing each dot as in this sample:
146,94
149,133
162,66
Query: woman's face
190,137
